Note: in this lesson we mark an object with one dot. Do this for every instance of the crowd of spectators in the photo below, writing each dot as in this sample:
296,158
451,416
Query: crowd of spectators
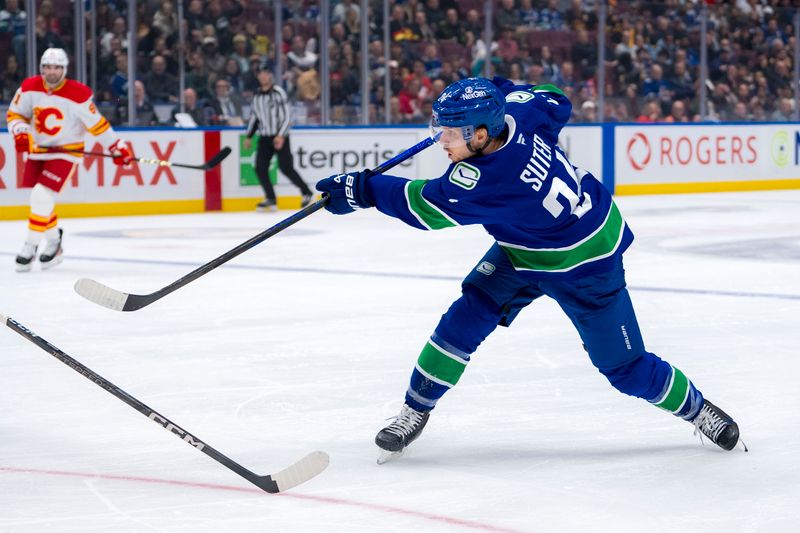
651,68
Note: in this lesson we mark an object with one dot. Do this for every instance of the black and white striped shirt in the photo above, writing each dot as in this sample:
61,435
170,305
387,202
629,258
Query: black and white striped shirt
270,114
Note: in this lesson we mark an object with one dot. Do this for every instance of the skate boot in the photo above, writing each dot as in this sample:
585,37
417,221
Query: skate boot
715,424
406,427
26,257
52,254
306,199
267,206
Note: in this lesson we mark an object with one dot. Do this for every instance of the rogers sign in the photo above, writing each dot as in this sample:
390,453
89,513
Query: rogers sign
684,150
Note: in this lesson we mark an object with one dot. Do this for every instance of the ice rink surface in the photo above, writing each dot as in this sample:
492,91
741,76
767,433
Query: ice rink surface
307,341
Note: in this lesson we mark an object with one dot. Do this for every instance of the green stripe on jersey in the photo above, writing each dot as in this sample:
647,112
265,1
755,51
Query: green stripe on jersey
429,215
548,88
676,393
437,363
602,243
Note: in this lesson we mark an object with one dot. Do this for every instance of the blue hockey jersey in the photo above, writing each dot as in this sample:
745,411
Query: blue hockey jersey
550,217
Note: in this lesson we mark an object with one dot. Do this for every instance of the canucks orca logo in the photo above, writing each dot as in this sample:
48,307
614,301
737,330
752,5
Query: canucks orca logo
519,97
465,176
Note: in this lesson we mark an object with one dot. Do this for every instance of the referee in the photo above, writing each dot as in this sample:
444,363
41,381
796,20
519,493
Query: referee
270,118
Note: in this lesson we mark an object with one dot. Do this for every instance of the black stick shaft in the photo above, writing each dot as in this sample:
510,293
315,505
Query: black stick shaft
263,482
134,301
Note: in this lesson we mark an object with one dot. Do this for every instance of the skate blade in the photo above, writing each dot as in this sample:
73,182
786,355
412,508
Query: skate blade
50,264
386,456
24,268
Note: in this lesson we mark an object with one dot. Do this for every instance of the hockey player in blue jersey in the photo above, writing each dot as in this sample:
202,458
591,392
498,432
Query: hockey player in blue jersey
558,233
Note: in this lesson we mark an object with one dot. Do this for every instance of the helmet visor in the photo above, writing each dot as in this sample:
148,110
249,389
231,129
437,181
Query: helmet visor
451,137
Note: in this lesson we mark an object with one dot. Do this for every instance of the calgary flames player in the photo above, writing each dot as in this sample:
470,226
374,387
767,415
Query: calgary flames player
48,118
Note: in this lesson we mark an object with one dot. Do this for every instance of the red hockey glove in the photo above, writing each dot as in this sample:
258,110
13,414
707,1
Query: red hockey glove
122,156
22,142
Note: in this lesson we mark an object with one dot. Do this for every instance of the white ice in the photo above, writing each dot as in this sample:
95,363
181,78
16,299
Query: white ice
306,342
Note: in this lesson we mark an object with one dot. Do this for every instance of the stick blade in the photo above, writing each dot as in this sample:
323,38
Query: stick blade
306,468
100,294
217,159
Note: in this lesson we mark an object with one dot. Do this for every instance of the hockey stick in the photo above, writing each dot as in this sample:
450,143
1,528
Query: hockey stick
122,301
301,471
208,165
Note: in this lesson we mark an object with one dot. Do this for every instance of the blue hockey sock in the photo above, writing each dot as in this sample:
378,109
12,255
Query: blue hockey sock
438,369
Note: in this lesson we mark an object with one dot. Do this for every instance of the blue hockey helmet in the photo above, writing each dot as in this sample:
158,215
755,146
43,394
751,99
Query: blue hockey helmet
469,104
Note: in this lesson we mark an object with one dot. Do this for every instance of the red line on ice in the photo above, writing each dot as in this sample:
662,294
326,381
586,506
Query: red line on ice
309,497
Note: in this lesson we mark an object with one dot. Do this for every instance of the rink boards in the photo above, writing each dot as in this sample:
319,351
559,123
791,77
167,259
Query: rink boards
630,159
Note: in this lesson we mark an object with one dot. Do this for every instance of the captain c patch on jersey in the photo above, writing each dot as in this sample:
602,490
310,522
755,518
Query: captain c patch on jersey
465,176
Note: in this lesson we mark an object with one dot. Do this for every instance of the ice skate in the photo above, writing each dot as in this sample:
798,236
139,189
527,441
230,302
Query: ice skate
52,253
394,438
717,426
25,257
267,206
306,199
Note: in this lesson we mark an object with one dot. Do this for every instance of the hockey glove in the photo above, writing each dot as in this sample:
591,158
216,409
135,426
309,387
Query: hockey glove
122,156
22,142
347,192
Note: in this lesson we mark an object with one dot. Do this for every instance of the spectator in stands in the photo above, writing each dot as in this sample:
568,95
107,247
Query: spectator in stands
145,114
119,81
508,45
550,17
45,37
299,57
197,75
233,75
451,28
257,42
160,48
678,112
581,15
410,103
740,113
550,68
119,29
195,20
341,10
431,61
785,111
221,18
506,16
250,78
192,107
225,107
423,28
214,61
166,20
584,54
400,26
13,20
651,112
473,25
527,17
161,85
588,112
12,78
654,84
565,77
433,13
240,53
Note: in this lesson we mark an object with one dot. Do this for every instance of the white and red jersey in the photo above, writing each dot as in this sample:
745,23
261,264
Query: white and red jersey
57,118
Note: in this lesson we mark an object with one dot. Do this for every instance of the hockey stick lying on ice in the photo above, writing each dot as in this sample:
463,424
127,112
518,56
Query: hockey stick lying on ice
122,301
301,471
208,165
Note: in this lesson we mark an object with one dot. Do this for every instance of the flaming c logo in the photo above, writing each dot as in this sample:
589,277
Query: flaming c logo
40,117
639,151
